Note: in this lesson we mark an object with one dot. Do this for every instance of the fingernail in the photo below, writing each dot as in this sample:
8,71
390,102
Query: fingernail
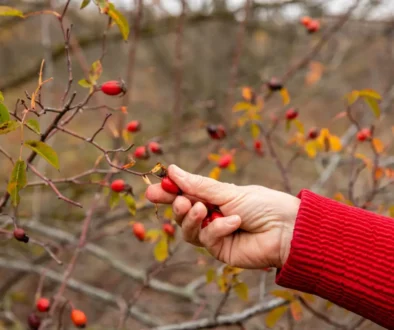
231,221
177,171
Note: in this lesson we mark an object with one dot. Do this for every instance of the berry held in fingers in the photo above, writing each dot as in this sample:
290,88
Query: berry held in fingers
170,186
79,318
169,229
113,87
43,305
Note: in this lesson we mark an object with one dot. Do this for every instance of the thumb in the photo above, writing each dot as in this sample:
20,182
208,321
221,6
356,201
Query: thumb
203,188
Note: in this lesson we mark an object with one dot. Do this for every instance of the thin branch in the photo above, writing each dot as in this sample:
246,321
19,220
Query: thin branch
102,126
222,303
7,155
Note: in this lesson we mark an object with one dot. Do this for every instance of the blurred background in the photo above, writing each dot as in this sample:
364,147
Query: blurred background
358,55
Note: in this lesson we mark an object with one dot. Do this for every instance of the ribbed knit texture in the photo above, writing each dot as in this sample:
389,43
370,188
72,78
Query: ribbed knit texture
345,255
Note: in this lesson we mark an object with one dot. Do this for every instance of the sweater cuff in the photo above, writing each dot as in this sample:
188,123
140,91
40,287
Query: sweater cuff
343,254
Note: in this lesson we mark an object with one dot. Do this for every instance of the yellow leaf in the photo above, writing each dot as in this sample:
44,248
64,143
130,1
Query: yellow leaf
242,291
296,310
222,283
352,97
273,316
311,148
129,165
157,168
299,125
168,212
232,168
373,104
255,130
210,275
242,106
125,135
370,93
309,297
335,143
378,145
247,93
285,96
214,157
241,121
161,250
230,270
146,180
391,211
215,173
283,294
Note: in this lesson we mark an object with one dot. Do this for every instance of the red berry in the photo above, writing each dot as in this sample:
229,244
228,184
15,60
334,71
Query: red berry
79,318
313,26
305,20
155,147
170,186
43,304
206,222
34,321
291,114
113,87
139,230
216,132
169,229
141,153
364,134
20,235
258,147
134,126
274,84
118,185
216,215
225,161
313,133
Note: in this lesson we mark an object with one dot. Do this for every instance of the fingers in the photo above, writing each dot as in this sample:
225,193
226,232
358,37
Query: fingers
203,188
192,222
214,236
180,208
157,195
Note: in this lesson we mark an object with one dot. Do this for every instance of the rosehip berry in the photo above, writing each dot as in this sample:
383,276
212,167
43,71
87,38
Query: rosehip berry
133,126
216,132
274,84
258,146
313,133
305,20
170,186
118,185
113,87
79,318
155,148
20,235
225,161
313,26
291,114
43,305
206,222
139,230
169,229
34,321
364,134
141,153
216,215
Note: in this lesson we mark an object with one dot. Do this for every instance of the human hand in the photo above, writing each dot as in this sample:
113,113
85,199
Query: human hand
257,226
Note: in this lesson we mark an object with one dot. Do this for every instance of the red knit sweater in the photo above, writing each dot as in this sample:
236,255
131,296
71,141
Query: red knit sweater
343,254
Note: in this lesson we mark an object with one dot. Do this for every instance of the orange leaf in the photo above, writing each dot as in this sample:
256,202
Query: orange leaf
123,109
296,310
213,157
311,148
285,96
379,173
247,93
129,165
378,145
215,173
315,73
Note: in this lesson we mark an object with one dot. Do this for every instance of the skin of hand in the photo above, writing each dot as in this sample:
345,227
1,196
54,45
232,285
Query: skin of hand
257,226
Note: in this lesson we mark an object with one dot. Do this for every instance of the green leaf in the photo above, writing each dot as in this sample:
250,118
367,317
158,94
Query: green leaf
373,104
18,181
45,151
210,275
9,11
114,200
1,97
95,71
84,83
8,126
120,20
130,202
161,250
273,317
84,3
4,114
34,125
242,291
